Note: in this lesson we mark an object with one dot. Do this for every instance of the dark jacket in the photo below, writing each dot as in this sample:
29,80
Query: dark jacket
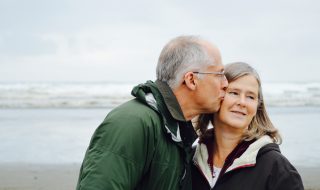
260,166
140,145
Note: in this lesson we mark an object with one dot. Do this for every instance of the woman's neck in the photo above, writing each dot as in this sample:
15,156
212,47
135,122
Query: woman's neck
226,139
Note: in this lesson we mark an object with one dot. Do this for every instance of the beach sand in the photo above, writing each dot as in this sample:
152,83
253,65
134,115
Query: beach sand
64,177
310,177
38,176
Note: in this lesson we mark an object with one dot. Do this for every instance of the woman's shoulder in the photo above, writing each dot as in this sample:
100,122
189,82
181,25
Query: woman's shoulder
283,175
270,154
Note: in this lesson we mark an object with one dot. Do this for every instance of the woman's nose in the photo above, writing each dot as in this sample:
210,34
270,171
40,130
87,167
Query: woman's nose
242,100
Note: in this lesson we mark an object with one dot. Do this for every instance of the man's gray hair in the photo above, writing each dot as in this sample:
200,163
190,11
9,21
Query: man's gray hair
179,56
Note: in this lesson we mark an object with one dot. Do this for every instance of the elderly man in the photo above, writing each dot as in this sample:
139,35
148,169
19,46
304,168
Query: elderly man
145,143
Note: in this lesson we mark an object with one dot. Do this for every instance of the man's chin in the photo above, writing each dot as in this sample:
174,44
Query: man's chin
216,108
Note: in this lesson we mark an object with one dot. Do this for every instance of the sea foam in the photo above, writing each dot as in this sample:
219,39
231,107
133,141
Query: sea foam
109,95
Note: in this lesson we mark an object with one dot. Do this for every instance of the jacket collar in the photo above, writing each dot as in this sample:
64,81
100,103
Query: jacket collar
249,157
160,97
244,155
170,100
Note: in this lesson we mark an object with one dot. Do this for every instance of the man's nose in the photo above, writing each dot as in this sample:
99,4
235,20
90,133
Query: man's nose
225,85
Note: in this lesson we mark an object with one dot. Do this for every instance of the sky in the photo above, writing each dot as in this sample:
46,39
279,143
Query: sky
120,41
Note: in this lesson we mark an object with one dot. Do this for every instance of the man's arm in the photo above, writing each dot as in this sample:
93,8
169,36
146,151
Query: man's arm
117,154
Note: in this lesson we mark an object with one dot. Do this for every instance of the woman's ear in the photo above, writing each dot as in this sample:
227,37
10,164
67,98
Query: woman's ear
191,80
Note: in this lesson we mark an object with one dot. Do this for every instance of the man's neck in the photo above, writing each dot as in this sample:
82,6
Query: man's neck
186,104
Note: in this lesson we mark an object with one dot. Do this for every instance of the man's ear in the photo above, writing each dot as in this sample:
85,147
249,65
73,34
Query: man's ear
191,80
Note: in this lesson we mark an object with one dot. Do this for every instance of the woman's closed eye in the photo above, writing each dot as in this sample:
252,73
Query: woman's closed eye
251,97
234,93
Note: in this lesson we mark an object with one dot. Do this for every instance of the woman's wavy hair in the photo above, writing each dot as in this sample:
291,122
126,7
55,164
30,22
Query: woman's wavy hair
260,124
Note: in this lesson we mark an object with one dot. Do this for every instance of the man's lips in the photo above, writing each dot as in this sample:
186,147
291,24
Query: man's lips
222,96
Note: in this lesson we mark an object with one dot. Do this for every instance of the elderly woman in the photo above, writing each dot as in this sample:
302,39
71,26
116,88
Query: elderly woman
238,146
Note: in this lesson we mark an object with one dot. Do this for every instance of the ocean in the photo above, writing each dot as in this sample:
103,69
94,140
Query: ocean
53,122
108,95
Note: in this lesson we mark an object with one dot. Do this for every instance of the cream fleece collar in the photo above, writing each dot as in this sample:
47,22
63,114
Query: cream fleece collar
247,159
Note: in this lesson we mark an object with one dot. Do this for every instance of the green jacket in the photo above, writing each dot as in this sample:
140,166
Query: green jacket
140,145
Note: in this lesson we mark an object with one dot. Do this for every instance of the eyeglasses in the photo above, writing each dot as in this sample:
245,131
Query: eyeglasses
221,74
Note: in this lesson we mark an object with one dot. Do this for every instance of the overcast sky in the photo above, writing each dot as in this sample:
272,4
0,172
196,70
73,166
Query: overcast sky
101,40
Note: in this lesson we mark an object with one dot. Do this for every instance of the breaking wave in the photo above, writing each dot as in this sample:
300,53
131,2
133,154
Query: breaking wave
109,95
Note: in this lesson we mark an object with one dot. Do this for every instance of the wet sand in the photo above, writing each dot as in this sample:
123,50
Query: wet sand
64,177
38,177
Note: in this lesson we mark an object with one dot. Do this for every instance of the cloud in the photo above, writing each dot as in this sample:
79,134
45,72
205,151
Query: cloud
23,44
118,39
